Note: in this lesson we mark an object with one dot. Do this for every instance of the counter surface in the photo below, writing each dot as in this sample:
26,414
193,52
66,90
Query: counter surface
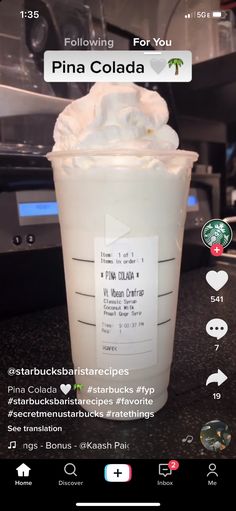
42,340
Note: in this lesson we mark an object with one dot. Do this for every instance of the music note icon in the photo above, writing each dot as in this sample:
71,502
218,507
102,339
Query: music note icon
12,445
188,439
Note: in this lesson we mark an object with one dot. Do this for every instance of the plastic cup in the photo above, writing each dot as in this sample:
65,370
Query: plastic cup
122,217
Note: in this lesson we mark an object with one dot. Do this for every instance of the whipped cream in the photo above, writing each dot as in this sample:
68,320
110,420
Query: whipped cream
115,116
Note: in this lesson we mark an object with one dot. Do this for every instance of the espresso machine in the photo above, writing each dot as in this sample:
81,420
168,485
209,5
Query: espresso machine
31,267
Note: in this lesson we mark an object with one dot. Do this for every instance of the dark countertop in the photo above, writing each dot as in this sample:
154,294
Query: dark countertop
41,339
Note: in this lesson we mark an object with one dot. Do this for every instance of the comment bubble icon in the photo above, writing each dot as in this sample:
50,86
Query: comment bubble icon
217,328
164,470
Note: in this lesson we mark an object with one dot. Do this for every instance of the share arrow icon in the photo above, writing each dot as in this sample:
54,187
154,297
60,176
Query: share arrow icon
218,378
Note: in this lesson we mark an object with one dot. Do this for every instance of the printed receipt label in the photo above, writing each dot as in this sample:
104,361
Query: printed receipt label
126,289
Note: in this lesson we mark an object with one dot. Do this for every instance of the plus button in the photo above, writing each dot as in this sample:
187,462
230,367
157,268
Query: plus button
217,249
117,473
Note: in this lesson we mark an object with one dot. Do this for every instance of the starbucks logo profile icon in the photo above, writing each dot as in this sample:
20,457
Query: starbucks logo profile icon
216,232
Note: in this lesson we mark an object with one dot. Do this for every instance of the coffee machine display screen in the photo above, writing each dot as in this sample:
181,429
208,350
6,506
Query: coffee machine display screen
37,207
193,202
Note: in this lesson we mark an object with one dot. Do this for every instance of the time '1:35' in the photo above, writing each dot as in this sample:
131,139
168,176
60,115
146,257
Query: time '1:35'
29,14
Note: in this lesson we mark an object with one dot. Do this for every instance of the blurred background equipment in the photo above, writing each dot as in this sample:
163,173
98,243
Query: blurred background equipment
24,39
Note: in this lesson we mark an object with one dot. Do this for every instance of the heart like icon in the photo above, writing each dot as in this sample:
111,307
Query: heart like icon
217,279
65,388
158,64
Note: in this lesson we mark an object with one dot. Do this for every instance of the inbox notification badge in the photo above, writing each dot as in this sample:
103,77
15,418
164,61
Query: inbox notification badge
117,473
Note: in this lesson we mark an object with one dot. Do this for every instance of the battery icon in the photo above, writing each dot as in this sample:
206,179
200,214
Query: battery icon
216,14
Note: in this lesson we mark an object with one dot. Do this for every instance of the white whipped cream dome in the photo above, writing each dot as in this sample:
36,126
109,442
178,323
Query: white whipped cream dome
113,116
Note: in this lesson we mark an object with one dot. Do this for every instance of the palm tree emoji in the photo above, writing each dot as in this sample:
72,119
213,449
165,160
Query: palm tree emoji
177,63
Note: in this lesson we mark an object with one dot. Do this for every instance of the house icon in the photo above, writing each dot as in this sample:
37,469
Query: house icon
23,470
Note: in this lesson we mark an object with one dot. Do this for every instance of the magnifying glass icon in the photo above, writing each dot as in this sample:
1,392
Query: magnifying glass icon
70,469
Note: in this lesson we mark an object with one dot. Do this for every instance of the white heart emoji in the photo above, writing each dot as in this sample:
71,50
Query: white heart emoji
217,279
65,388
158,64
